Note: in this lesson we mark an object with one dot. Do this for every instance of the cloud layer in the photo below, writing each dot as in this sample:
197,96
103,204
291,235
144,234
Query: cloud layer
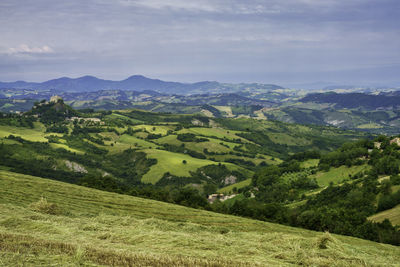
189,40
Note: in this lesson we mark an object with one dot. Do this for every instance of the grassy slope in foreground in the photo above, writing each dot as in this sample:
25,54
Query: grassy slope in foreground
101,228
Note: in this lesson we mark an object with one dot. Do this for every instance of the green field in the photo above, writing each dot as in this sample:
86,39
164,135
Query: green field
228,189
172,163
393,215
77,226
369,126
154,129
135,142
337,175
309,163
35,135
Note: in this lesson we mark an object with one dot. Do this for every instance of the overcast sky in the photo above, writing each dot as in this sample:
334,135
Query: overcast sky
271,41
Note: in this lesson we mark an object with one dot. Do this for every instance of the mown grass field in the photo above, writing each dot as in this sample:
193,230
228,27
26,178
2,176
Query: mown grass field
88,227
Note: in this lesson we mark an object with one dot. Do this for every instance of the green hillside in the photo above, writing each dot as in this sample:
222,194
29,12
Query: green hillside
393,215
74,225
170,144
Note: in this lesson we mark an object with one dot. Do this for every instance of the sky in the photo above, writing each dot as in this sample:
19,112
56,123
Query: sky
287,42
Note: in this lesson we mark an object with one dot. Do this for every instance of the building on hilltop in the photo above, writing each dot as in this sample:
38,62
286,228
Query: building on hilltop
55,99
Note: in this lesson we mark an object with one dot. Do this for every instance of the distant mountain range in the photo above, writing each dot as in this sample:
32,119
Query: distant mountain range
136,83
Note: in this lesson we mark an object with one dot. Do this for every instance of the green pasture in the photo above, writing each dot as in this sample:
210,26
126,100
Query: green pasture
337,175
173,163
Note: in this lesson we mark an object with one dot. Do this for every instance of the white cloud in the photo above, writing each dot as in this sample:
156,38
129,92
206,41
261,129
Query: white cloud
26,49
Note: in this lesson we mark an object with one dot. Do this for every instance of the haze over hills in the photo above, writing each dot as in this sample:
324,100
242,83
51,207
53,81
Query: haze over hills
135,82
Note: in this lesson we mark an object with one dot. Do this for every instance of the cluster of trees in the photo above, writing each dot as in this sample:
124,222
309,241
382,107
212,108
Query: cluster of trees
349,154
57,128
17,120
52,112
184,150
388,199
